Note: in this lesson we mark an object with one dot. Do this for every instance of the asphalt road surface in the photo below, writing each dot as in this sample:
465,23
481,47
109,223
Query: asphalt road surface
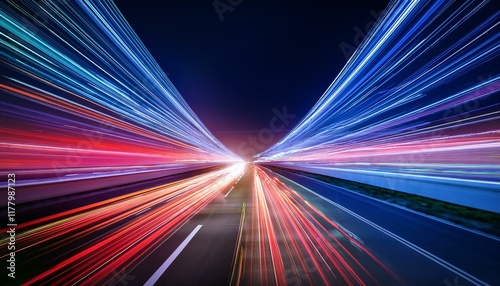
241,227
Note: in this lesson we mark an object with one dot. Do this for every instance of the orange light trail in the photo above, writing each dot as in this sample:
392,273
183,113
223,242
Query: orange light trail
290,241
126,236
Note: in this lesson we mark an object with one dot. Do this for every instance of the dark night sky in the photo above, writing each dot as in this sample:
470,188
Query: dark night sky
263,55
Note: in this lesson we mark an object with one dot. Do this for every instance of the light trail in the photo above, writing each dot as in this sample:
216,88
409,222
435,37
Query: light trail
81,92
83,104
121,236
291,242
420,96
171,258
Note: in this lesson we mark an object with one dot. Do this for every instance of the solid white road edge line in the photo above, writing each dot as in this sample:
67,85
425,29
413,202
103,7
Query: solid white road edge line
423,252
229,192
171,258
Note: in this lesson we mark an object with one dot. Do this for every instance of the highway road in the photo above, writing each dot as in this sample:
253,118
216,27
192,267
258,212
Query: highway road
244,225
207,258
420,248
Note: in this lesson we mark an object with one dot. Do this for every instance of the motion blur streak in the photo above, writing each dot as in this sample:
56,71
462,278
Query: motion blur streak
82,96
122,238
289,241
418,94
111,170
